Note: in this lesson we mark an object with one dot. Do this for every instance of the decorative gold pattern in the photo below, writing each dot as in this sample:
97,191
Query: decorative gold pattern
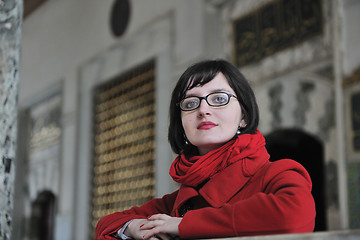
124,142
353,79
355,120
276,26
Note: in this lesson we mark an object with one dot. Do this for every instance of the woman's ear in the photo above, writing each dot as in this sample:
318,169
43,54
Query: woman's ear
242,123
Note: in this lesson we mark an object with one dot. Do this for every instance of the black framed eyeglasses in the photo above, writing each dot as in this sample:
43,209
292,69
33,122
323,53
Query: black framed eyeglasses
215,99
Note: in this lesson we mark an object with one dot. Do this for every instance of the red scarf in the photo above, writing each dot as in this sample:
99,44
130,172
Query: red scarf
247,147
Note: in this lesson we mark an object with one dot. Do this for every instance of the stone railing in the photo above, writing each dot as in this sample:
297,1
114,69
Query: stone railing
329,235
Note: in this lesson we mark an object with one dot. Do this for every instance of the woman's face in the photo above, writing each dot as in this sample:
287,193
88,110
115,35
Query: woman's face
209,127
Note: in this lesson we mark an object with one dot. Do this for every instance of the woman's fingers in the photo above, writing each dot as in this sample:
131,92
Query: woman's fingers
151,224
159,217
161,225
155,220
133,229
155,232
162,236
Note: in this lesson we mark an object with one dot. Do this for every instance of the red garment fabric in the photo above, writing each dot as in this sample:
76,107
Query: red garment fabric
251,196
197,169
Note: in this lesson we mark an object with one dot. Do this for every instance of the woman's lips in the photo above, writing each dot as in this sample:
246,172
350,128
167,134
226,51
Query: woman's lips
206,125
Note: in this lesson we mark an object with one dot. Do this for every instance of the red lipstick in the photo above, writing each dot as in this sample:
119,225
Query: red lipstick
206,125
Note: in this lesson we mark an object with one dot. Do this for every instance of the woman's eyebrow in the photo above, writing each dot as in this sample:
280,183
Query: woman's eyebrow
212,91
221,90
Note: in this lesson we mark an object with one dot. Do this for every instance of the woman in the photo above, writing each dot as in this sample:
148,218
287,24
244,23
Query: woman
228,186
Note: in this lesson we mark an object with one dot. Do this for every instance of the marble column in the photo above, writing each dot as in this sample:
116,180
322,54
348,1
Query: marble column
10,39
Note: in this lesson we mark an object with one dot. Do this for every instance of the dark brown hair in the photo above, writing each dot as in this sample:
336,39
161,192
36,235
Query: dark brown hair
198,75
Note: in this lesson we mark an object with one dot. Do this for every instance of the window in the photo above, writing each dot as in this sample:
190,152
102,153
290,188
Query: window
124,146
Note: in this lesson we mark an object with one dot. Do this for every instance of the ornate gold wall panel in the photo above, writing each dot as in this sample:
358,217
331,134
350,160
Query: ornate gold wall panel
351,86
124,117
273,27
353,79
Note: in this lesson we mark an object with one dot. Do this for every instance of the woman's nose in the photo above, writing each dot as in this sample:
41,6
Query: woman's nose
204,108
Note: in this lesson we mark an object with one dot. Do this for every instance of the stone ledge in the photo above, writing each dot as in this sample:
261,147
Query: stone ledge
329,235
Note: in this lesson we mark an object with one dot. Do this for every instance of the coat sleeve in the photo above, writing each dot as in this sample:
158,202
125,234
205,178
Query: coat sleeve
111,223
285,206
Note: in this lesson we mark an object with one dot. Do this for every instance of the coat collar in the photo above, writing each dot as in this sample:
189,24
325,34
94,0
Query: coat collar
224,185
184,194
219,189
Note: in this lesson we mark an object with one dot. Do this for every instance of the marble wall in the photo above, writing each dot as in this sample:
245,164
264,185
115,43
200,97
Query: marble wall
10,36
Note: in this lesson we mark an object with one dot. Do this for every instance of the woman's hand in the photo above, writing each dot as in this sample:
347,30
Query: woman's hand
133,229
161,226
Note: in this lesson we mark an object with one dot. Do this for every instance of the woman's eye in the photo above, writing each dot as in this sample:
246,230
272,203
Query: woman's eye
191,104
219,99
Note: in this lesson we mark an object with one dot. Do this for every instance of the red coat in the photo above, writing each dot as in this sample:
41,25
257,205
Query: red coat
276,198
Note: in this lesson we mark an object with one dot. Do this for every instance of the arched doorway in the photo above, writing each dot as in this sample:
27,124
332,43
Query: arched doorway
308,151
43,216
